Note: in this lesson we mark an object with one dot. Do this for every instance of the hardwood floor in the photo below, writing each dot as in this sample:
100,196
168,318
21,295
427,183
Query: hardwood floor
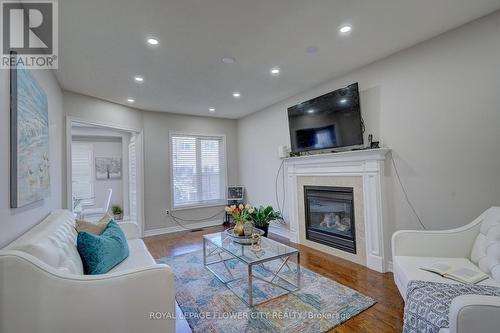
385,316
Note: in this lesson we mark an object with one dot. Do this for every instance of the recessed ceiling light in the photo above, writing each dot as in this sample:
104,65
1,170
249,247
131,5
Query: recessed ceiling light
153,41
138,79
228,60
236,94
275,71
130,100
211,109
345,29
310,111
343,100
312,49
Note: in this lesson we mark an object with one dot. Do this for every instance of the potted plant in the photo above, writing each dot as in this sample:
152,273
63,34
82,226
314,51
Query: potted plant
262,216
241,214
117,212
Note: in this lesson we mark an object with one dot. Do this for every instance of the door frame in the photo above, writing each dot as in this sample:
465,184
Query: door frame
140,163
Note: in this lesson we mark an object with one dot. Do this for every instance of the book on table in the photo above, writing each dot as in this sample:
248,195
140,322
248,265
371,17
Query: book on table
460,274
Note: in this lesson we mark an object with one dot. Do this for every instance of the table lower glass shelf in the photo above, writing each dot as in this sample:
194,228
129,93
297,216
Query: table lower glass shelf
256,282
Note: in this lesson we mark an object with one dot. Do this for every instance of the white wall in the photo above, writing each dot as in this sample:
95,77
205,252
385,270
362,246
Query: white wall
107,147
156,127
108,142
156,132
437,105
14,222
97,110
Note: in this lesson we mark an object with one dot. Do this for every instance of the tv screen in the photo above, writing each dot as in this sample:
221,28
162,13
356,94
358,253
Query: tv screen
329,121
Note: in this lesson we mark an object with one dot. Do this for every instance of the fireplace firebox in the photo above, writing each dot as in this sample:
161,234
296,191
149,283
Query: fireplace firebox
330,216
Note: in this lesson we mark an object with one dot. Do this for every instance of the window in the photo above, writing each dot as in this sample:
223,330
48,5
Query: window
82,173
198,170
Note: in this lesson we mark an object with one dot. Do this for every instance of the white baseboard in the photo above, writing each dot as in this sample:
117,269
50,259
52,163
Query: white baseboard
389,266
176,228
275,229
280,231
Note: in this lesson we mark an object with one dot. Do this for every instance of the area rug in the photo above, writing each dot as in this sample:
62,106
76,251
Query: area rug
209,306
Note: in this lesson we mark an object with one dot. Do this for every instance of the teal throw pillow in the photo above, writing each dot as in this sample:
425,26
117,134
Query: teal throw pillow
100,253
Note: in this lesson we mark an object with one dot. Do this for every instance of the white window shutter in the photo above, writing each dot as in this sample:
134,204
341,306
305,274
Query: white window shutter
198,170
132,178
82,167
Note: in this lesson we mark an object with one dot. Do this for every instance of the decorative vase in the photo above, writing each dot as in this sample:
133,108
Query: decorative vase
248,228
264,228
239,228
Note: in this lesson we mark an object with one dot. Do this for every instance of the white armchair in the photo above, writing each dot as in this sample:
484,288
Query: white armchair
99,211
463,246
426,243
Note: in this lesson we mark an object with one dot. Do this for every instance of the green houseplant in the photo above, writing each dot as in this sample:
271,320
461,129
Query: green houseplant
262,216
117,211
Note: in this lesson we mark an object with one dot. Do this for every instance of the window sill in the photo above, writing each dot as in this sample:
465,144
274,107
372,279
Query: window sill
198,206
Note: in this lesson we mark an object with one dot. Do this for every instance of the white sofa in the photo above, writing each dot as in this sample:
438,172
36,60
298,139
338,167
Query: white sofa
43,288
476,245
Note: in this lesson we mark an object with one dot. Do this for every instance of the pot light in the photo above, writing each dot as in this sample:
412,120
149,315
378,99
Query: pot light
236,94
275,71
310,111
345,29
130,100
343,101
153,41
312,49
138,79
211,109
228,60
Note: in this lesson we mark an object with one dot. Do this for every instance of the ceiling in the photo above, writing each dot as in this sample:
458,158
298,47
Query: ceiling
103,45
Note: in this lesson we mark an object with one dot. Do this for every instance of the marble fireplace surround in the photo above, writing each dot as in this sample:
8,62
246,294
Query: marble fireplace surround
363,171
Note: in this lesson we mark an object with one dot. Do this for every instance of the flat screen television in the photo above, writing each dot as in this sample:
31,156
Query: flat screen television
326,122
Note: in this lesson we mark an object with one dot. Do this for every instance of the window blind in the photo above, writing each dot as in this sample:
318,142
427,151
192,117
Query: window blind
82,172
198,170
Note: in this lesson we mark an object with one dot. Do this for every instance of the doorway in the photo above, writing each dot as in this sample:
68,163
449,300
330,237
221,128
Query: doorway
105,171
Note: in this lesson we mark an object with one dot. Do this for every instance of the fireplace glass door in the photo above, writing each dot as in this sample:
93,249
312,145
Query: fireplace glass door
330,216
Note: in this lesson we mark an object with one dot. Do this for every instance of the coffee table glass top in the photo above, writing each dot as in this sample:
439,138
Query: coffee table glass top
270,248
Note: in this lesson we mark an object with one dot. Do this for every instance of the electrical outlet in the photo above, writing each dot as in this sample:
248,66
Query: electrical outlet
167,211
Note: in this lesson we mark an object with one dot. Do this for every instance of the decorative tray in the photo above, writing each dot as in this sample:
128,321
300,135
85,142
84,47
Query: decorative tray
245,240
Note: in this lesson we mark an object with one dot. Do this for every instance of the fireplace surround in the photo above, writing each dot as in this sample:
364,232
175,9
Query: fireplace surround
329,216
362,170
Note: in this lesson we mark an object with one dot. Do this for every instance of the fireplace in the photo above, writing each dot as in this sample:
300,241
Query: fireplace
330,216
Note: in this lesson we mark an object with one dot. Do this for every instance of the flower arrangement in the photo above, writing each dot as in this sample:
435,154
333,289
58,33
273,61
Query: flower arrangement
241,214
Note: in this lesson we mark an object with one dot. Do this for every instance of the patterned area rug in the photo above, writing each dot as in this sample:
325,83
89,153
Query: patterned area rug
209,306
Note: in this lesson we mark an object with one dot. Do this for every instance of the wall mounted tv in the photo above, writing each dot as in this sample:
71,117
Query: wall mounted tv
326,122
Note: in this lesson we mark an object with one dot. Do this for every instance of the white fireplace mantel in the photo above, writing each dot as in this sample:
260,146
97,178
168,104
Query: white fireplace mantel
368,164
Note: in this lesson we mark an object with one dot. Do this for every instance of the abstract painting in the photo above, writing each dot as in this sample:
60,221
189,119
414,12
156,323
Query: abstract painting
29,127
108,168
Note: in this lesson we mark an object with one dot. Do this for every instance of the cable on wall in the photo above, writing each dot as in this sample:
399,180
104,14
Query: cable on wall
197,220
276,188
283,188
177,220
406,193
363,127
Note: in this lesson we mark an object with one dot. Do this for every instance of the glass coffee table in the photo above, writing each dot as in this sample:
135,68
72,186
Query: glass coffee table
220,249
